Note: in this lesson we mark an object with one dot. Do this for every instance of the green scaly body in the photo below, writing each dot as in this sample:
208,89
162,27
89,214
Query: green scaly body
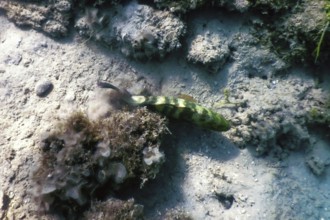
176,108
182,109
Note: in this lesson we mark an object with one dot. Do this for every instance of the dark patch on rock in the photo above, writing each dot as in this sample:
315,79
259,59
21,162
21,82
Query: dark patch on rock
13,59
226,200
4,201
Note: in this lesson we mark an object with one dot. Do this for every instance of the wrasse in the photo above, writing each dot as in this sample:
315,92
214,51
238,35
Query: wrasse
176,108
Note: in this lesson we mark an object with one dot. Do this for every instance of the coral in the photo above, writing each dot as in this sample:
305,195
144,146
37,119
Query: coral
176,214
319,114
152,155
325,28
184,6
93,24
94,3
254,60
267,6
114,209
209,50
274,133
139,31
179,6
295,33
84,159
145,33
274,121
51,17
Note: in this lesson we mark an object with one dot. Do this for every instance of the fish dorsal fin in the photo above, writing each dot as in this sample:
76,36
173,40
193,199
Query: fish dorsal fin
186,97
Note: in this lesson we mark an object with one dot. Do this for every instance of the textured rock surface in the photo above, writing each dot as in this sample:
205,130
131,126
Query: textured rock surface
279,124
267,6
184,6
115,209
295,34
139,31
146,33
253,60
209,50
51,17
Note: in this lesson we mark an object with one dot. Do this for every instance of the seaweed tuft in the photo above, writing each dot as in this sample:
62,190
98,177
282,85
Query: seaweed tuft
84,160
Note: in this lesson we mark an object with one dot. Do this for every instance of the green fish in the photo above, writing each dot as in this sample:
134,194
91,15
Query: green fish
176,108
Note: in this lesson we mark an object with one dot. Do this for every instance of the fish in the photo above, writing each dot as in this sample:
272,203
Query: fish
175,108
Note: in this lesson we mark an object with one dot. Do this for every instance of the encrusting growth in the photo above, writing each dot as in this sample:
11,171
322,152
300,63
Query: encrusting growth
83,160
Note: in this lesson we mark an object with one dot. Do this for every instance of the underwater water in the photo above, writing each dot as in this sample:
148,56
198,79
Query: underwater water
164,110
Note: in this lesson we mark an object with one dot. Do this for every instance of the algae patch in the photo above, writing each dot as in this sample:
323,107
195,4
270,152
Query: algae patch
84,160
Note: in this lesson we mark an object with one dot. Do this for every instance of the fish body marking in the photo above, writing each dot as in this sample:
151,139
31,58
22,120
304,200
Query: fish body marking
176,108
182,109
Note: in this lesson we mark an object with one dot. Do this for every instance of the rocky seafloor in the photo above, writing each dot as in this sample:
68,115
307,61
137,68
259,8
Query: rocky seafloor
68,151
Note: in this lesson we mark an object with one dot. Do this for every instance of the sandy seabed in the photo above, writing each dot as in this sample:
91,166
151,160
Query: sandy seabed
205,174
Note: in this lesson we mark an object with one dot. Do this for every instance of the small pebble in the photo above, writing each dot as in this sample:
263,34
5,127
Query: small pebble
26,91
43,88
11,194
44,44
70,96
